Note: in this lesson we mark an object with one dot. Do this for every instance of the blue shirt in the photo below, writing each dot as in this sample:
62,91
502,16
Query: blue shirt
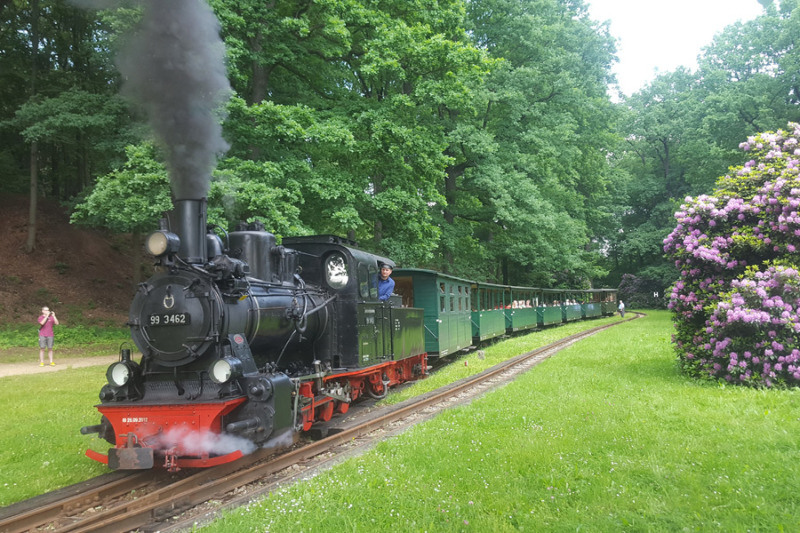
385,288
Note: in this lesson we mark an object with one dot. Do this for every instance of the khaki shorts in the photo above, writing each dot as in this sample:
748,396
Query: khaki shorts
46,342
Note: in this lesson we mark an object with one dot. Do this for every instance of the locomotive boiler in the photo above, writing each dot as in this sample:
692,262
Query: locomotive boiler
245,343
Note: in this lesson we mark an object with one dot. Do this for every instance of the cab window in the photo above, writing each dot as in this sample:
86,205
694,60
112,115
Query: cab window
373,282
363,281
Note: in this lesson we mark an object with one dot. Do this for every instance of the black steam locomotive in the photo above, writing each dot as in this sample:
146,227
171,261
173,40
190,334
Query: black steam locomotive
245,343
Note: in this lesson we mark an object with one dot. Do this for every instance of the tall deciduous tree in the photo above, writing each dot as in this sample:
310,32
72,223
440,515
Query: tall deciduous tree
57,80
547,115
343,99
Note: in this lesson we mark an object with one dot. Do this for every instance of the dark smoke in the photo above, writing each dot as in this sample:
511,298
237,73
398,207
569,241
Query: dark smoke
173,65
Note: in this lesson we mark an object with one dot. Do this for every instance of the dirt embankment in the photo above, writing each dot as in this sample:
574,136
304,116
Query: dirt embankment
81,273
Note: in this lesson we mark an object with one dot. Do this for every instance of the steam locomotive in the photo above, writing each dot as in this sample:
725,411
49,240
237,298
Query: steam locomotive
245,343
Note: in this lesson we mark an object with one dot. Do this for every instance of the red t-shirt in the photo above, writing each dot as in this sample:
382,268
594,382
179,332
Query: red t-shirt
47,329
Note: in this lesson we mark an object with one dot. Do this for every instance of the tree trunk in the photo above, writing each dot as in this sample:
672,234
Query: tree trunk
30,244
136,244
377,184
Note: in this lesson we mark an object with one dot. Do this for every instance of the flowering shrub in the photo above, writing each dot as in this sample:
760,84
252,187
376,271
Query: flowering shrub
736,303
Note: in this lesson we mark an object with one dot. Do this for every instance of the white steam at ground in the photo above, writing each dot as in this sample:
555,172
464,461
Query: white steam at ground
200,443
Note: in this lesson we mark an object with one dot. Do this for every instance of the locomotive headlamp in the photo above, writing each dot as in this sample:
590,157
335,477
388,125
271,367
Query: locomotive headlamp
120,373
223,370
336,271
162,242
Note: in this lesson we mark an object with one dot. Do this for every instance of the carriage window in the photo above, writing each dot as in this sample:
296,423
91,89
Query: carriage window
441,297
460,299
449,292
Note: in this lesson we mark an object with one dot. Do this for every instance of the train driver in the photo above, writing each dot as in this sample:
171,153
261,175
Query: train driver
385,283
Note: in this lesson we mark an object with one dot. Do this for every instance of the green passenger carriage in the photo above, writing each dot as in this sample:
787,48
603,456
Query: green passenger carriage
608,301
549,310
571,306
459,313
488,311
446,301
590,306
522,313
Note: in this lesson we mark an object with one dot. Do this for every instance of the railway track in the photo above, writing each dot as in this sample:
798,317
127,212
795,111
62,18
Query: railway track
150,501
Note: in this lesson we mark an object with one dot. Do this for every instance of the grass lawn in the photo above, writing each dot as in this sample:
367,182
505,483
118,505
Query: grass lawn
41,448
606,436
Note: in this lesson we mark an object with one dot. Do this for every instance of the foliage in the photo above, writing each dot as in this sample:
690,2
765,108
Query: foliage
60,91
130,199
529,152
736,303
680,130
642,293
14,336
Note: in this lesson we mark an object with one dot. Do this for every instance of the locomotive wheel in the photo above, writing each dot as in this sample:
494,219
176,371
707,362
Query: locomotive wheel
325,411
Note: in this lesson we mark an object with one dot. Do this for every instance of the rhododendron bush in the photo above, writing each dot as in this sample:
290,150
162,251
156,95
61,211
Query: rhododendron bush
736,302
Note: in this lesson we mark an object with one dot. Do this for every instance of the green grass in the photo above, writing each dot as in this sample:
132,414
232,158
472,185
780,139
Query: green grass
475,362
606,436
38,455
42,448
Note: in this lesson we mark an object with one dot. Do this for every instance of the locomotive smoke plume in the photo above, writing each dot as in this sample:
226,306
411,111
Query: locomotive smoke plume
173,65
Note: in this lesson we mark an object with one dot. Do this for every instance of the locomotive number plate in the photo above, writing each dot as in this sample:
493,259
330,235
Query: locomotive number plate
170,319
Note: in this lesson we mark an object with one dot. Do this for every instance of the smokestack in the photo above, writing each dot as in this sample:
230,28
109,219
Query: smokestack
188,220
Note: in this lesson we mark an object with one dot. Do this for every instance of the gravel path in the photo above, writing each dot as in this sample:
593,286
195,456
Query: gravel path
15,369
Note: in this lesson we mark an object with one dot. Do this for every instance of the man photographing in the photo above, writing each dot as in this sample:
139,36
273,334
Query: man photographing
46,322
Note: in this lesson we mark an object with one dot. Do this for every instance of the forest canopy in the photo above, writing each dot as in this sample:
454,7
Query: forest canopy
482,138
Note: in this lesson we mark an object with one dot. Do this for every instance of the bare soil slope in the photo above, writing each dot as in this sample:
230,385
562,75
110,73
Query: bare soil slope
83,275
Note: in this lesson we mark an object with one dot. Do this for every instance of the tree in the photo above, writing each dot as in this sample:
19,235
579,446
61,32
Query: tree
49,48
129,200
532,190
343,100
685,127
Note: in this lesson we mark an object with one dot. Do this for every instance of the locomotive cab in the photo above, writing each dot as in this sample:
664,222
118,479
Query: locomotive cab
367,331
